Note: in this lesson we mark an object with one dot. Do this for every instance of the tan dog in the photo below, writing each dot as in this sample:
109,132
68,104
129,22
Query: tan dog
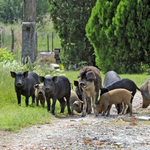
39,94
114,97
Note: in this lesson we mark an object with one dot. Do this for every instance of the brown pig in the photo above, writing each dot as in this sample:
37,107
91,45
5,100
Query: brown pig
114,97
90,83
145,91
75,103
39,94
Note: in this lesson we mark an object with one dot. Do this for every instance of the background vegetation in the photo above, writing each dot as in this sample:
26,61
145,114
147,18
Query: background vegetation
119,31
70,18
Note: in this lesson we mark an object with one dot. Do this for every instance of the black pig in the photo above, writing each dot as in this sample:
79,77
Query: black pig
57,87
24,85
110,77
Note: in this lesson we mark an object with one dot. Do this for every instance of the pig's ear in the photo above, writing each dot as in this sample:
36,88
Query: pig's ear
55,78
90,75
36,86
76,103
76,83
13,74
79,75
41,78
25,74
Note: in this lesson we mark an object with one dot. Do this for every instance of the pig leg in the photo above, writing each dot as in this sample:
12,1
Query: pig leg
33,99
94,106
48,103
19,98
42,101
108,110
37,101
62,104
27,100
89,109
84,105
68,104
119,107
130,107
53,105
123,109
105,108
133,93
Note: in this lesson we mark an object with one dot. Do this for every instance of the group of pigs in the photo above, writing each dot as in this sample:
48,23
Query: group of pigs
114,91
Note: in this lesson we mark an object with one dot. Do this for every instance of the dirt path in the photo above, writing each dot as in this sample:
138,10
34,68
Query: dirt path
114,132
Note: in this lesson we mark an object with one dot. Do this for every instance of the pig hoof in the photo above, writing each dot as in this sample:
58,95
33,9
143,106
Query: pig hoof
83,115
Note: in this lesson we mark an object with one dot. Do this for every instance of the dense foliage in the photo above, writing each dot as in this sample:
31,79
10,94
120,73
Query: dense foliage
70,18
119,31
6,55
12,10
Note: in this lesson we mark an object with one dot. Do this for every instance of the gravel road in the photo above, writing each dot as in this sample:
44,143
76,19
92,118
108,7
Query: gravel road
87,133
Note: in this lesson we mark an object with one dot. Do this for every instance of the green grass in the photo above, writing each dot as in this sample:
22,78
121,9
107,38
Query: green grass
14,117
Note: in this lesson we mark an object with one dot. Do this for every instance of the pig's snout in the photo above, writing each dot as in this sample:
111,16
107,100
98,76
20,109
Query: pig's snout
18,84
40,92
82,84
47,89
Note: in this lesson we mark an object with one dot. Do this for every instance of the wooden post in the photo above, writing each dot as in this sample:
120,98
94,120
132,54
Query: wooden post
3,35
0,40
48,42
12,40
29,31
52,41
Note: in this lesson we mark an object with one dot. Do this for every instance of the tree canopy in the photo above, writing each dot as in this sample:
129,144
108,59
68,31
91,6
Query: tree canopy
119,31
12,10
70,18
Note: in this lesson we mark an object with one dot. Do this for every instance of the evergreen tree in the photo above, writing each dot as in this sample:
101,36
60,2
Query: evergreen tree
12,10
122,43
70,18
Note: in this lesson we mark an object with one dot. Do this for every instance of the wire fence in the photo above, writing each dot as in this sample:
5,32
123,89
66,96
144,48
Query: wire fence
12,39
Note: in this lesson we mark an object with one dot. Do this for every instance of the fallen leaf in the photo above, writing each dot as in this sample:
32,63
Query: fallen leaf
99,143
133,118
87,140
145,143
133,124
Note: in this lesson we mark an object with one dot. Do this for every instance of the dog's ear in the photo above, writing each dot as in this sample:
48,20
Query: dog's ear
90,75
104,90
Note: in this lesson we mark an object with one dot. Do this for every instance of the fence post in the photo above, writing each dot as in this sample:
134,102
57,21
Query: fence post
0,40
29,31
12,40
52,41
3,34
48,42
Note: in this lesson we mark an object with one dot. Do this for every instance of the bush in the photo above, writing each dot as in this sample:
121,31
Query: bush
6,55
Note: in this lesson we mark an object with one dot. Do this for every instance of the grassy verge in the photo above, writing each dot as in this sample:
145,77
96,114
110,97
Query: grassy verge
14,117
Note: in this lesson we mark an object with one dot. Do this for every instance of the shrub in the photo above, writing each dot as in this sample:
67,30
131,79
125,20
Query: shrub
6,55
